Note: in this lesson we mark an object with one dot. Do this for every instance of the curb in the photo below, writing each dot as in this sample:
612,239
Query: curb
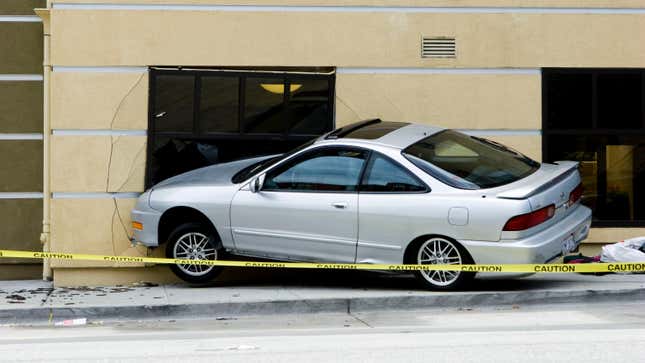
44,315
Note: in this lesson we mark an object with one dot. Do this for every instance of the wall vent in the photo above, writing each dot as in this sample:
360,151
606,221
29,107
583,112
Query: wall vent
438,47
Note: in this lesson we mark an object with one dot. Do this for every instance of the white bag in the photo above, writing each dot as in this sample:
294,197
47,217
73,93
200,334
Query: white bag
625,251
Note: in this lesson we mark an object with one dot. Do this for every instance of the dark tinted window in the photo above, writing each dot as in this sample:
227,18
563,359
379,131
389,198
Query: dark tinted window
219,104
468,162
608,140
384,175
174,99
308,108
322,170
569,100
619,101
264,105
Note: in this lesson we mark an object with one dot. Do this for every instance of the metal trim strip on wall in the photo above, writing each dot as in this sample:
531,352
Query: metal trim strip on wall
119,69
21,195
21,77
420,70
99,132
66,195
20,19
348,9
117,195
33,136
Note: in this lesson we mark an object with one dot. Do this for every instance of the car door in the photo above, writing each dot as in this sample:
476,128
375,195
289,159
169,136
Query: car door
392,210
307,208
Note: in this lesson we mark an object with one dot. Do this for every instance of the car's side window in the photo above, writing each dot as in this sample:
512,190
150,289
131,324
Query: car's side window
384,175
324,170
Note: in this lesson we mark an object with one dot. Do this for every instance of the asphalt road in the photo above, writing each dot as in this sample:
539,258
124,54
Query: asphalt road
571,333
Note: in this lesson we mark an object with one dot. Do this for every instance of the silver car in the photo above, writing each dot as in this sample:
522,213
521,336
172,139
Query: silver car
371,192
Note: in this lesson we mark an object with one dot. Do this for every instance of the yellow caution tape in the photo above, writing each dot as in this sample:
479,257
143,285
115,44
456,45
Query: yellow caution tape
524,268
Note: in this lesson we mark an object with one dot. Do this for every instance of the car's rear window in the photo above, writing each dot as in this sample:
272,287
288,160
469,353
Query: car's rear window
469,162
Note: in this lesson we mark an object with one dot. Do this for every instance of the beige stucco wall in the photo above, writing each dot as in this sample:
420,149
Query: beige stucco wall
98,163
352,39
463,101
93,226
89,100
502,101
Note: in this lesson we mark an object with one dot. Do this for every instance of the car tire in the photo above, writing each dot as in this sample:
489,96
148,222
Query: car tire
194,241
442,250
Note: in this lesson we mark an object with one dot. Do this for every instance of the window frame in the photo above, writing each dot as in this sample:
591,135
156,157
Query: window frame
198,133
594,130
370,161
303,156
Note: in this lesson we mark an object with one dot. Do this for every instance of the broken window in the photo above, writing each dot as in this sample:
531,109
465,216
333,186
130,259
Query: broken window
201,117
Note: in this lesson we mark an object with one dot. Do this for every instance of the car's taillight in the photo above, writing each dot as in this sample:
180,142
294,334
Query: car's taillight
528,220
575,195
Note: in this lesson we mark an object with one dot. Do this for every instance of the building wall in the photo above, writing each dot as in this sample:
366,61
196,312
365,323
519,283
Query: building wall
99,83
21,127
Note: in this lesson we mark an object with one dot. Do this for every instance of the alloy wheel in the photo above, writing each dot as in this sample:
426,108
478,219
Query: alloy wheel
194,246
439,251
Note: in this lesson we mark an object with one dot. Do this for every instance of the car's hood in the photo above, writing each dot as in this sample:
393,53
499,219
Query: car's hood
219,174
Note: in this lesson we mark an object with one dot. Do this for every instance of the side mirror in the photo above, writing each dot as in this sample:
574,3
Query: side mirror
256,184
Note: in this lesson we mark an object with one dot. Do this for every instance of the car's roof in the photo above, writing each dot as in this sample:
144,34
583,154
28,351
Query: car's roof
394,134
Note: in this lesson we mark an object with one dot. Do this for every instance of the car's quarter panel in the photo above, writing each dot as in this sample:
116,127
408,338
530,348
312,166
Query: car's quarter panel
296,225
388,222
551,184
539,247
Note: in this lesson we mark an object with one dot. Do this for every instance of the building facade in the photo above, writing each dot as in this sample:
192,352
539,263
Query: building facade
21,134
136,91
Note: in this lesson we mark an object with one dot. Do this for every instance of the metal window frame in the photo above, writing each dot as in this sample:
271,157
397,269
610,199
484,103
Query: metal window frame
593,131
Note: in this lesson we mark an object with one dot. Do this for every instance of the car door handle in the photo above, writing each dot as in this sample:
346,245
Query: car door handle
339,205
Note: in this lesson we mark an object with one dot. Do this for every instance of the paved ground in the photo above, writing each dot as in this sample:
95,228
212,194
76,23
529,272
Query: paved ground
594,332
296,292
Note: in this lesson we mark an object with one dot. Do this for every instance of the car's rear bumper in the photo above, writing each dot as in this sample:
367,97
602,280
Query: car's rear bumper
542,247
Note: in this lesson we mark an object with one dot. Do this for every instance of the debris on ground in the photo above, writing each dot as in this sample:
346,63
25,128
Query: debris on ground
16,297
579,258
145,284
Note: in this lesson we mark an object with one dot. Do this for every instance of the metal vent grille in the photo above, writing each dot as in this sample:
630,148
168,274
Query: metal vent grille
438,47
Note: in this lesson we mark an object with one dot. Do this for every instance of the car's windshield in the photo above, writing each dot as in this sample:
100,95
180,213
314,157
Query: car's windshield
469,162
255,168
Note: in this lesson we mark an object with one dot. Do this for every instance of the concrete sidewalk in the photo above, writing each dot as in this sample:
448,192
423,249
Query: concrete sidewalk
37,302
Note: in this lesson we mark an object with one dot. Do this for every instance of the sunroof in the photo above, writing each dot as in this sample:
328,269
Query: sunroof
374,130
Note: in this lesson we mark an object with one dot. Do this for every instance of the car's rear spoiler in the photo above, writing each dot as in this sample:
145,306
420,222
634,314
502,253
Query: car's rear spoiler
540,181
